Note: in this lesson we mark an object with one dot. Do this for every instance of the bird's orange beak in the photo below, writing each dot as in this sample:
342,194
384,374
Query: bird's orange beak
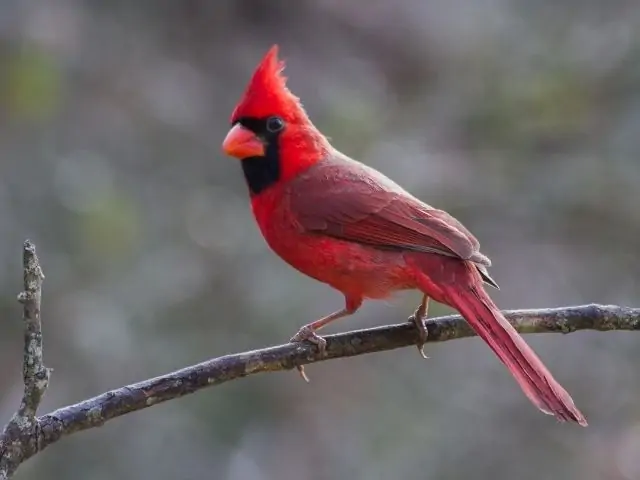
241,143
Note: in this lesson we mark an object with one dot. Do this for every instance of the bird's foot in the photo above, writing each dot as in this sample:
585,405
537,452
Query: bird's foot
418,319
307,333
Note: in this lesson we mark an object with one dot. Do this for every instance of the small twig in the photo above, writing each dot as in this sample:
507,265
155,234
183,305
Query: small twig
19,440
25,435
35,374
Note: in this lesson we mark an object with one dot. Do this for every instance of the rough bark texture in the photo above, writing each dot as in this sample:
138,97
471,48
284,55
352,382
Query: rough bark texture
21,437
25,434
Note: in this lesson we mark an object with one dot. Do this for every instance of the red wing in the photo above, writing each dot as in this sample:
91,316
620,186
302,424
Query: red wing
353,202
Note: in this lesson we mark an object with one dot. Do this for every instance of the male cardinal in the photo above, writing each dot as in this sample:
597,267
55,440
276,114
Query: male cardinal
349,226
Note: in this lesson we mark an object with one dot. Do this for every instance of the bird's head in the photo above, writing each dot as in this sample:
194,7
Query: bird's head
270,131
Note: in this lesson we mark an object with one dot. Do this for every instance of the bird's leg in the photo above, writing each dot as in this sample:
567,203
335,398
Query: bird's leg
308,332
418,319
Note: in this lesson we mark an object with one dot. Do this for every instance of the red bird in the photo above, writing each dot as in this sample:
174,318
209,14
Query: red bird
347,225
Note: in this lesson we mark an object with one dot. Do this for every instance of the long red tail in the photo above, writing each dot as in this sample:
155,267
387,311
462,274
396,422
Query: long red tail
534,378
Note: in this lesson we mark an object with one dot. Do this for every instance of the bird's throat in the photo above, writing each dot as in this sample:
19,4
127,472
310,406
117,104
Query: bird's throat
261,172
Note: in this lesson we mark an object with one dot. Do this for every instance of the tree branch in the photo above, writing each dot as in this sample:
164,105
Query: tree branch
19,440
25,435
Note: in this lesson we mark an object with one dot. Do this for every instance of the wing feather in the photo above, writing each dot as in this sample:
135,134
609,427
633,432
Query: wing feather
348,200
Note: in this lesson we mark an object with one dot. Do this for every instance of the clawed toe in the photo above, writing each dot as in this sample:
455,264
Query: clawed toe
418,320
302,373
308,334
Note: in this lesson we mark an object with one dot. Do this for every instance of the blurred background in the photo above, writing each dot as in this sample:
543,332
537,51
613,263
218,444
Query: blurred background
520,118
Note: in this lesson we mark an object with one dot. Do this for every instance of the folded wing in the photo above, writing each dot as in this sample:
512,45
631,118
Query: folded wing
347,200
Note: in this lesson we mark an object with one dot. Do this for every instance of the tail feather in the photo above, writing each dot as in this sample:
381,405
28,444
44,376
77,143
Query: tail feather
533,377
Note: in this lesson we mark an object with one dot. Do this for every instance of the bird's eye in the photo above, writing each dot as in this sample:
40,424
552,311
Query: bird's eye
274,124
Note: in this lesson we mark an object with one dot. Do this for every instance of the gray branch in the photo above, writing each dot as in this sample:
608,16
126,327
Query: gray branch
26,435
20,438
